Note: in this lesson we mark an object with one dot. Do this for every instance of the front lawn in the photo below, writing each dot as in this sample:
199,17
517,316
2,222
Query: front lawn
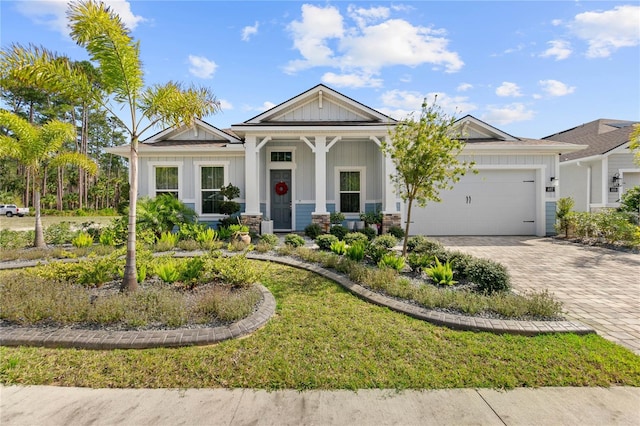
325,338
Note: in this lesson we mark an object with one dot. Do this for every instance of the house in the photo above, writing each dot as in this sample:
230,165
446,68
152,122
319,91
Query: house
319,152
597,176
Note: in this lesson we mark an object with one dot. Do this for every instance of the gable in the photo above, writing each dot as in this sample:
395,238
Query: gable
200,132
473,129
320,105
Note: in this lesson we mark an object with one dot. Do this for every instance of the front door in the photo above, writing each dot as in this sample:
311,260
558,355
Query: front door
281,199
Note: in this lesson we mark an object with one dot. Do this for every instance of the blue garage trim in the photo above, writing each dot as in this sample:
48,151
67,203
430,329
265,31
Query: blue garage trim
303,216
550,216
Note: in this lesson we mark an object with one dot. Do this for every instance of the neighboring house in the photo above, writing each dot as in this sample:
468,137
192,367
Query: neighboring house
597,176
319,152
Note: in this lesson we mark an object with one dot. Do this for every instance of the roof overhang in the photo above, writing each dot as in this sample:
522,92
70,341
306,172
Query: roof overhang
147,150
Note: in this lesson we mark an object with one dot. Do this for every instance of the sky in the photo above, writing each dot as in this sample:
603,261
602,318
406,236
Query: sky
529,68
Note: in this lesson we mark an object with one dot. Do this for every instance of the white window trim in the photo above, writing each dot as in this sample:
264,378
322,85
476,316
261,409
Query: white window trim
281,165
198,184
151,190
363,188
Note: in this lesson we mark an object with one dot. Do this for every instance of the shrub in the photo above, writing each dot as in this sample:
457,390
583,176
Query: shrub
390,260
563,208
441,274
191,271
189,231
235,271
59,233
324,241
388,241
354,237
459,262
630,201
294,240
188,245
339,231
312,231
206,237
227,305
396,231
339,247
421,244
270,239
356,251
12,240
419,261
369,232
83,239
162,213
488,276
108,237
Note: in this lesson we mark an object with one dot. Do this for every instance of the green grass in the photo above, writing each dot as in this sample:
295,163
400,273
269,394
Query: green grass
325,338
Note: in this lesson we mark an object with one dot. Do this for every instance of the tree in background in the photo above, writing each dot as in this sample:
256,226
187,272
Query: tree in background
34,146
425,154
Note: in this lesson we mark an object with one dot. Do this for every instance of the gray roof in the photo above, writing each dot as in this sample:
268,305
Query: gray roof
601,136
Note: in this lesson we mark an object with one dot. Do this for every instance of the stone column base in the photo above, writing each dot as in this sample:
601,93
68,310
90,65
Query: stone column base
322,220
389,220
252,221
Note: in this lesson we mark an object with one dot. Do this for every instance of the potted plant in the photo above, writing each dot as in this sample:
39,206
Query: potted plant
228,206
372,220
336,218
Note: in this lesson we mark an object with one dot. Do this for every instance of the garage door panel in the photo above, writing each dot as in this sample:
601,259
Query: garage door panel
492,202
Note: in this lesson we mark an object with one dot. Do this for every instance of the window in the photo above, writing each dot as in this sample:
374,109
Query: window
350,192
167,181
211,180
281,156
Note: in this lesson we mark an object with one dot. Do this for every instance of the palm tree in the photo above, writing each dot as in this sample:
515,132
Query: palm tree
34,146
101,32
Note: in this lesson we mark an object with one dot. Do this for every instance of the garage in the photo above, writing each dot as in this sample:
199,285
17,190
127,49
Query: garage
492,202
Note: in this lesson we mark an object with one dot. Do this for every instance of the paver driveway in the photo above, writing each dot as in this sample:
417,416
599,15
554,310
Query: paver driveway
598,286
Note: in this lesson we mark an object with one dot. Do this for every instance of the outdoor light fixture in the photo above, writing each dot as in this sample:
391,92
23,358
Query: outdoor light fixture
615,178
554,181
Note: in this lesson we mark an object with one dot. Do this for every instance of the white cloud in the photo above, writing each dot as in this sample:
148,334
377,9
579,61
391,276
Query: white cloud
266,105
608,31
555,88
556,22
202,67
560,49
225,104
401,103
52,13
355,80
508,89
463,87
248,31
324,39
506,114
310,36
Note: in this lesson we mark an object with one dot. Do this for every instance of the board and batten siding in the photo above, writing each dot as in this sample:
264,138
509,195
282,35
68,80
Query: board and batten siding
357,154
311,111
189,169
619,162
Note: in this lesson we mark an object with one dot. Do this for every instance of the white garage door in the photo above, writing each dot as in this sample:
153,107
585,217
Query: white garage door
492,202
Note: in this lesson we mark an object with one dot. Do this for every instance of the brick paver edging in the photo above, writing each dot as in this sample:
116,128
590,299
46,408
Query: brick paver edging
458,322
101,339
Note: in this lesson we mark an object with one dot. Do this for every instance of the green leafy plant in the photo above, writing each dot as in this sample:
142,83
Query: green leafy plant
339,247
371,218
336,218
339,231
563,209
58,233
396,231
206,237
356,251
390,260
162,214
419,261
270,239
312,231
191,271
107,237
294,240
353,237
369,232
168,272
324,241
166,241
83,239
141,272
189,231
441,274
488,276
228,206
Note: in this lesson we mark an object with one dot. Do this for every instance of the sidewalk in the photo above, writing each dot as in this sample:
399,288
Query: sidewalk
49,405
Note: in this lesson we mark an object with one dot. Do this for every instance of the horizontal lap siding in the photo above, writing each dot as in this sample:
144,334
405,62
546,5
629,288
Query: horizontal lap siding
550,217
303,216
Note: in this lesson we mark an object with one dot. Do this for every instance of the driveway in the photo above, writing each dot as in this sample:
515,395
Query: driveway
598,286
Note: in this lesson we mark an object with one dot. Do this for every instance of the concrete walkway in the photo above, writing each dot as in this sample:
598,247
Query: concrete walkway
44,405
599,287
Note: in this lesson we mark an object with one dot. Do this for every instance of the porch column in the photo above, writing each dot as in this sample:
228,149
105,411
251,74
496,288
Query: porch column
321,175
251,187
389,206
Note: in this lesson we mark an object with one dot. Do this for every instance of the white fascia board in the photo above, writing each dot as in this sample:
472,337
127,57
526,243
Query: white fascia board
521,149
598,157
260,131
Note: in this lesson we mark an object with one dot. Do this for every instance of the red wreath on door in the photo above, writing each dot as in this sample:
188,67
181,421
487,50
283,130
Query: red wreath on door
281,188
